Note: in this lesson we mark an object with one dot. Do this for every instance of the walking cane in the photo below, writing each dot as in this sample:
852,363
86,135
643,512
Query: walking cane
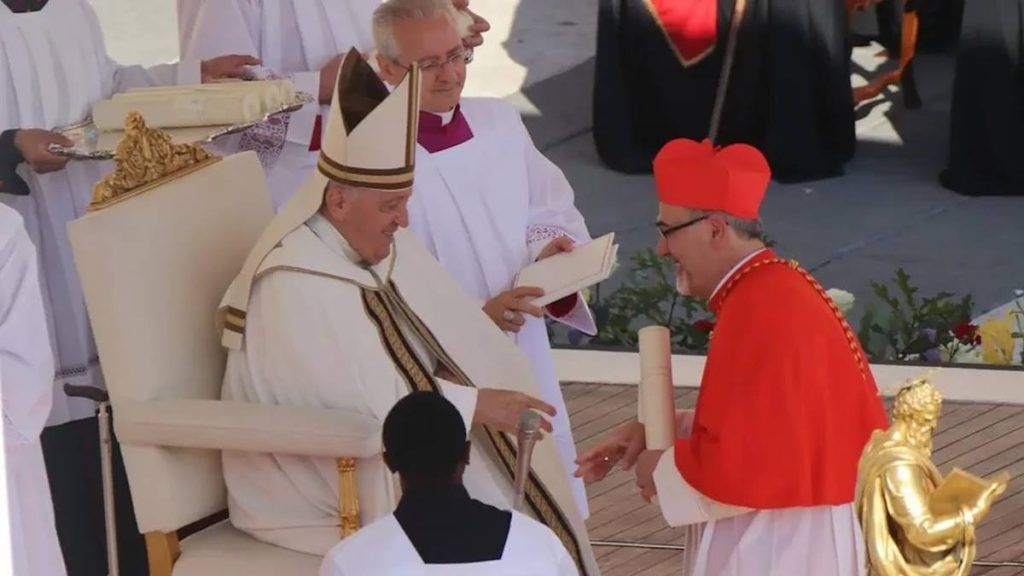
526,436
106,467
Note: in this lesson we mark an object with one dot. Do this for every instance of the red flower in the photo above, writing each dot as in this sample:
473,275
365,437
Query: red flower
967,333
704,325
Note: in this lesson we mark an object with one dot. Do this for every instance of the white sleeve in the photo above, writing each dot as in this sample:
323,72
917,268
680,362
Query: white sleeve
330,566
464,399
179,73
26,359
303,121
235,27
293,350
119,78
552,201
680,503
224,27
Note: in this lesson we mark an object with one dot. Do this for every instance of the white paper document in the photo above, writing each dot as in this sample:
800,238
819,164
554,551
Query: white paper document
569,272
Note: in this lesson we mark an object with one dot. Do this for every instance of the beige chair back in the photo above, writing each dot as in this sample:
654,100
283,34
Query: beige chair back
153,269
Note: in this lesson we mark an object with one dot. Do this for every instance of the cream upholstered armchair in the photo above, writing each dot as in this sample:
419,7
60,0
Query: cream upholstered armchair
154,259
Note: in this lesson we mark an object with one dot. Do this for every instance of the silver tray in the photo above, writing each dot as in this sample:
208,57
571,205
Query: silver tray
86,137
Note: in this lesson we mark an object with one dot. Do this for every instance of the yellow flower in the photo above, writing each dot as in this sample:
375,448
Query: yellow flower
585,294
997,341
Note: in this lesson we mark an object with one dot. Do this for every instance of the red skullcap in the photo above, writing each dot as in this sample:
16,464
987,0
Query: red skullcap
694,175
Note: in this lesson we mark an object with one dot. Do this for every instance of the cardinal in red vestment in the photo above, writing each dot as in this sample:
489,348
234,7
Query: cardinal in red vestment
765,467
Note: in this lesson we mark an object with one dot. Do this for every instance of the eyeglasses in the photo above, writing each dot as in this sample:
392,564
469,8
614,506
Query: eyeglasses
665,231
464,56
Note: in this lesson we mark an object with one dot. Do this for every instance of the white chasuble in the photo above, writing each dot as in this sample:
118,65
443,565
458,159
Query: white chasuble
294,39
324,331
53,66
485,208
384,548
26,377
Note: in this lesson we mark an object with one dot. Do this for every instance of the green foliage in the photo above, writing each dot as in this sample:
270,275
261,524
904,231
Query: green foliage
897,324
1018,321
902,325
648,296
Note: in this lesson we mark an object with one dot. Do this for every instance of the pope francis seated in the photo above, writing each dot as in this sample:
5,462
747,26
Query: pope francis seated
337,306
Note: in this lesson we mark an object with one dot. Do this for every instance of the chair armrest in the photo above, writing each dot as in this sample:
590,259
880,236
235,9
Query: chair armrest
247,427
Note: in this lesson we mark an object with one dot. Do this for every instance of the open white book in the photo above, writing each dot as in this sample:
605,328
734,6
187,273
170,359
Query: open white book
569,272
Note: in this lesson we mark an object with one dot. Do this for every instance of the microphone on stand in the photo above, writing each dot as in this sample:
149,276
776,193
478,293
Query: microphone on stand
526,437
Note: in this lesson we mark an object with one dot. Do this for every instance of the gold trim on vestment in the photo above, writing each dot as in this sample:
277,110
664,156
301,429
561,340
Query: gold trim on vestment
672,44
851,338
347,175
416,374
412,116
347,280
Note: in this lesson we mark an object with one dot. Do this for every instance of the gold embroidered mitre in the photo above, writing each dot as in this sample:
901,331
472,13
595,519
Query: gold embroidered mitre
370,140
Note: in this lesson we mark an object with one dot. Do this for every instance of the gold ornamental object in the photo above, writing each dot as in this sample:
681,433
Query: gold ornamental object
145,158
915,521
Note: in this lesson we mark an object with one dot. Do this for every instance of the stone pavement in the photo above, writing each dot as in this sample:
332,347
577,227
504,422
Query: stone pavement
887,211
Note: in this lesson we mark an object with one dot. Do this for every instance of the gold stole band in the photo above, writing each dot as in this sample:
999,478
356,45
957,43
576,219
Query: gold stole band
383,307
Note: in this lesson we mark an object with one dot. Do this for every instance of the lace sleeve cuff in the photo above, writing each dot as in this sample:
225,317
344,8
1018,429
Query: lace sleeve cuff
537,237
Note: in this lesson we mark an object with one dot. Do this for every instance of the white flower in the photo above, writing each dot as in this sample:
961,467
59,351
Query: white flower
965,356
842,298
1018,292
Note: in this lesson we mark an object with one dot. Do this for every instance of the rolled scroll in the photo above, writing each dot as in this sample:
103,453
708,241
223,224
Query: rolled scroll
656,406
274,94
180,110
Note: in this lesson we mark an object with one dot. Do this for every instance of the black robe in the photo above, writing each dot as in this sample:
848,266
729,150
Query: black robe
789,93
72,455
446,526
10,157
986,146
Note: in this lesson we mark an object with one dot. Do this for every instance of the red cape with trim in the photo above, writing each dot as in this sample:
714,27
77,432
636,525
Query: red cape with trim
784,409
691,26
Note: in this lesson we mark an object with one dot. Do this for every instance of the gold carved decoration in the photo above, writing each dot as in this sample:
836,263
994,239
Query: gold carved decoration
348,497
145,158
915,521
162,550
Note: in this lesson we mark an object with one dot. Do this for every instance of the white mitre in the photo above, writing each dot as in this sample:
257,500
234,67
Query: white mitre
370,142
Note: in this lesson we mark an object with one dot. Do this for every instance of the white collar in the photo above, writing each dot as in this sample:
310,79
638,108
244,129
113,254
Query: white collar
445,117
329,235
733,271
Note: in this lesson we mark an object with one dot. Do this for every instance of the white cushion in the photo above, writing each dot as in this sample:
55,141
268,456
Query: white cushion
223,550
249,427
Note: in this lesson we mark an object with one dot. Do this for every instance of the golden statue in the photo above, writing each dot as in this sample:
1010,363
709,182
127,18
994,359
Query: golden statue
915,522
144,158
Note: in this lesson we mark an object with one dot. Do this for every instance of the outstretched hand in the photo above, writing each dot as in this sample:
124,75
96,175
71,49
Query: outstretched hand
501,409
624,445
230,66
